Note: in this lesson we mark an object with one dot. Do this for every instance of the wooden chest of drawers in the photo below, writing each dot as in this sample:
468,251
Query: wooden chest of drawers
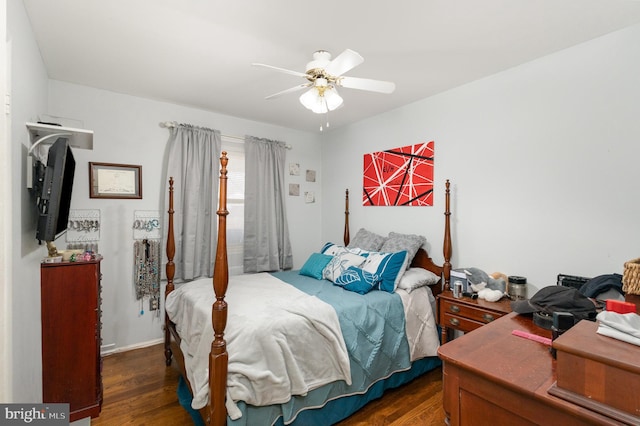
466,314
71,361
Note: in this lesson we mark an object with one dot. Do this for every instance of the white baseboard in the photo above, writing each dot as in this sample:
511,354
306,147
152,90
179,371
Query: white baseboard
106,350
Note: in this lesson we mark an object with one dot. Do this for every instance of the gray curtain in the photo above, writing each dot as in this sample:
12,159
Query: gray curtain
193,162
266,233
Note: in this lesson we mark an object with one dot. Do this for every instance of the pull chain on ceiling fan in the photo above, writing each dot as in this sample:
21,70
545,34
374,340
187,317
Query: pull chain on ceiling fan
324,76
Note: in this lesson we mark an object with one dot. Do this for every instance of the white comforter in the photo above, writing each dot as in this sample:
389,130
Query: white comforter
280,364
419,311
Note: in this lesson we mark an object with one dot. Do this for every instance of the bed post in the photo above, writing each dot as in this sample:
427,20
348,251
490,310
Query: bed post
346,238
171,270
218,359
446,246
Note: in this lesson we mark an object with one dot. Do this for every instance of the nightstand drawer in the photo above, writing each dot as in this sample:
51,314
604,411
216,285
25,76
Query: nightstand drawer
475,313
459,323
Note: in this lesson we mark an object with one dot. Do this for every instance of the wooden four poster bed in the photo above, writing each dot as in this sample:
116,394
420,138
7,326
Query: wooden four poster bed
318,404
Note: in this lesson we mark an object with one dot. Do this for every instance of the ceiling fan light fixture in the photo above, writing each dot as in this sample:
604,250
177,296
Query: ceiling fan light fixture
332,98
324,75
321,99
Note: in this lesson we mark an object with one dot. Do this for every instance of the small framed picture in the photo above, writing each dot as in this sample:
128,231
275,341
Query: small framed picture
108,180
309,197
311,175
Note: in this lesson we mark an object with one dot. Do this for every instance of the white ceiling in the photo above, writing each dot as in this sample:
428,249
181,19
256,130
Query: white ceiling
199,52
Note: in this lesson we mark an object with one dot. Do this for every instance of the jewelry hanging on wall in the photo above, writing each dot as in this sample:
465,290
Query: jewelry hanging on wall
83,227
146,258
146,225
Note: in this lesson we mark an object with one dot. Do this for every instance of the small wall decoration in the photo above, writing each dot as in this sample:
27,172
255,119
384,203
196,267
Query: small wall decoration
311,175
399,176
294,169
107,180
294,189
83,226
309,197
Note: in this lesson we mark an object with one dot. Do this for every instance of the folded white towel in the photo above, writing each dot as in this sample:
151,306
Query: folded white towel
625,327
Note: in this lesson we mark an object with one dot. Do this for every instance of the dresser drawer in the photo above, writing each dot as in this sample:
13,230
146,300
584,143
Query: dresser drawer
475,313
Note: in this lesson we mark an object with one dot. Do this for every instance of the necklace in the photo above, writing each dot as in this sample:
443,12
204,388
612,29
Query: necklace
146,273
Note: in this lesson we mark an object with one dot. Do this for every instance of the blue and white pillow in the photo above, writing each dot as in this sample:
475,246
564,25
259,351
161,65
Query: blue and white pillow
357,280
340,263
334,249
389,267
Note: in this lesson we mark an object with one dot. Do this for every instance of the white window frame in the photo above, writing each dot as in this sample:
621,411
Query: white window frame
235,246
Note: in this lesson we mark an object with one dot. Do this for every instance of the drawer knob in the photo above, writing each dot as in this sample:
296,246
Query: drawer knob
454,321
454,308
488,317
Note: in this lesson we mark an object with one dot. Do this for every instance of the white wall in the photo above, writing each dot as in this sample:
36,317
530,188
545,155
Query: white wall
543,160
27,84
126,131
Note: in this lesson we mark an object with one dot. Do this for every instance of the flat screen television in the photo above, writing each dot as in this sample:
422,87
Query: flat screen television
54,183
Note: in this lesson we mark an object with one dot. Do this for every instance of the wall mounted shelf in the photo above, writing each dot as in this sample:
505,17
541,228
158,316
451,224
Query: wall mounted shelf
47,133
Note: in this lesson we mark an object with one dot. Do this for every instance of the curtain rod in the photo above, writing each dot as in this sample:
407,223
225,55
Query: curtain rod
168,124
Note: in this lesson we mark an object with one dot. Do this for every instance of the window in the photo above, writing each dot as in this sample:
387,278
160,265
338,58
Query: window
235,203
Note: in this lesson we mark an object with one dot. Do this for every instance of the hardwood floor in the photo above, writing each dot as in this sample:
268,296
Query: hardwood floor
140,390
417,403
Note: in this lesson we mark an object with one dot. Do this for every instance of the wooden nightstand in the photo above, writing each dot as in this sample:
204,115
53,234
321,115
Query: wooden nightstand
466,314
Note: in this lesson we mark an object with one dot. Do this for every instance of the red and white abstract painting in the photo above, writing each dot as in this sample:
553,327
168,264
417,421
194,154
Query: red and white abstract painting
399,176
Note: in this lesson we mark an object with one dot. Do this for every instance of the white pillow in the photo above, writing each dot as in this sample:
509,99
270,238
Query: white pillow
417,277
340,263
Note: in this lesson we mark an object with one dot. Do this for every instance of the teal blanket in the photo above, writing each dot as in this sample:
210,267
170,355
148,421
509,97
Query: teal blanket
373,326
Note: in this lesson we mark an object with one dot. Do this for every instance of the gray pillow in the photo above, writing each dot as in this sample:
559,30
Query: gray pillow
399,242
367,240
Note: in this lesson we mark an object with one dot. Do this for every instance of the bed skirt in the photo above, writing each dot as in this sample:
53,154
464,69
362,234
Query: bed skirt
333,411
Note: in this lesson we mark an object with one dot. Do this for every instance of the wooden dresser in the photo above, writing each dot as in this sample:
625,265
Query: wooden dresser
71,361
492,377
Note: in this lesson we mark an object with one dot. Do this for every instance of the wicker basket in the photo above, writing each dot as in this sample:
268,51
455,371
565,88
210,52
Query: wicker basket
631,277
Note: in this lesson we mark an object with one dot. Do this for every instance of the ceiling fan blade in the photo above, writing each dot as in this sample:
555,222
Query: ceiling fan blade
290,90
367,84
286,71
344,62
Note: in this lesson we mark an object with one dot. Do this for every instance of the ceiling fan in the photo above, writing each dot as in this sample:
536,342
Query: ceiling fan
324,76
